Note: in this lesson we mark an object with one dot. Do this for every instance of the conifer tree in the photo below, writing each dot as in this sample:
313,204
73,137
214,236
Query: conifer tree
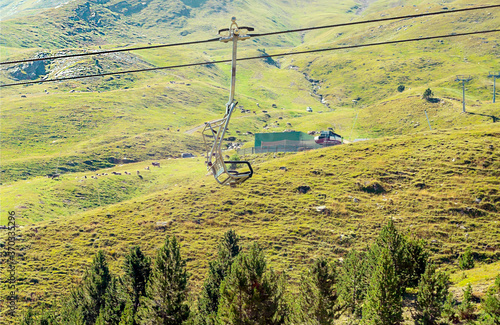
127,317
208,302
491,304
392,241
252,293
353,282
72,308
95,282
383,304
85,302
114,302
417,260
166,289
432,293
409,256
427,94
449,312
466,310
319,295
466,260
137,268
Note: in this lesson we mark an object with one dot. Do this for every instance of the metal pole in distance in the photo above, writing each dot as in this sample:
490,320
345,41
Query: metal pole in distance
494,75
428,120
463,95
463,79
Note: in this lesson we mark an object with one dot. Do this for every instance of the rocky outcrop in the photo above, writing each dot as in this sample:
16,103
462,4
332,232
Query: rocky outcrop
126,8
30,70
84,12
268,59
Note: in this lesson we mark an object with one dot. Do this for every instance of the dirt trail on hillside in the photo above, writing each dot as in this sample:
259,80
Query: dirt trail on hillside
193,130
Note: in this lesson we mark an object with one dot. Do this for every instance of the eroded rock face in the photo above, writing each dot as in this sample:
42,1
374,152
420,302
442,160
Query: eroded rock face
84,12
30,70
267,59
128,7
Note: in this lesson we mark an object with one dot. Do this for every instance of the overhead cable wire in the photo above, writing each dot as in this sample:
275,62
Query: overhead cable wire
254,57
110,51
374,20
254,35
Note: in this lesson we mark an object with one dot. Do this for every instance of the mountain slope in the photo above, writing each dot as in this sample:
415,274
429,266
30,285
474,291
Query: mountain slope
443,186
440,184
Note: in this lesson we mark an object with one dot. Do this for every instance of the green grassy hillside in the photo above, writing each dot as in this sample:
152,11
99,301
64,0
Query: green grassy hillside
441,186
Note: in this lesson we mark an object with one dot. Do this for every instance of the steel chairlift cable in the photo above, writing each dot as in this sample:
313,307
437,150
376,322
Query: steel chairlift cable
255,57
254,35
375,20
110,51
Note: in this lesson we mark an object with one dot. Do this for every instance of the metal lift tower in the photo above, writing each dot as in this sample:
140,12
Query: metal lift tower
463,79
494,75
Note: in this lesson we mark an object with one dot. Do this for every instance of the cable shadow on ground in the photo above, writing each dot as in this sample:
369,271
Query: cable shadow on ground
495,118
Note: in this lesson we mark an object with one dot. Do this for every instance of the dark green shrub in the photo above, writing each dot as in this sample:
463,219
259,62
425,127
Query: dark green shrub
466,260
432,293
427,94
466,310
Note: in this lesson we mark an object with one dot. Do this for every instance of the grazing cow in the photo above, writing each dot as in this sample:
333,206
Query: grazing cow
146,168
155,164
138,173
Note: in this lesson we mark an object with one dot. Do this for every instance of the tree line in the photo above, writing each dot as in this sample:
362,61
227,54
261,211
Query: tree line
367,287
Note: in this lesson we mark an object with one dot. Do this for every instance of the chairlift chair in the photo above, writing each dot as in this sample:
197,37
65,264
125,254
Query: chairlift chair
214,131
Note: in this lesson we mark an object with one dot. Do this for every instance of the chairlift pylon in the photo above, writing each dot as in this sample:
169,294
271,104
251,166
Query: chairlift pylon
214,131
